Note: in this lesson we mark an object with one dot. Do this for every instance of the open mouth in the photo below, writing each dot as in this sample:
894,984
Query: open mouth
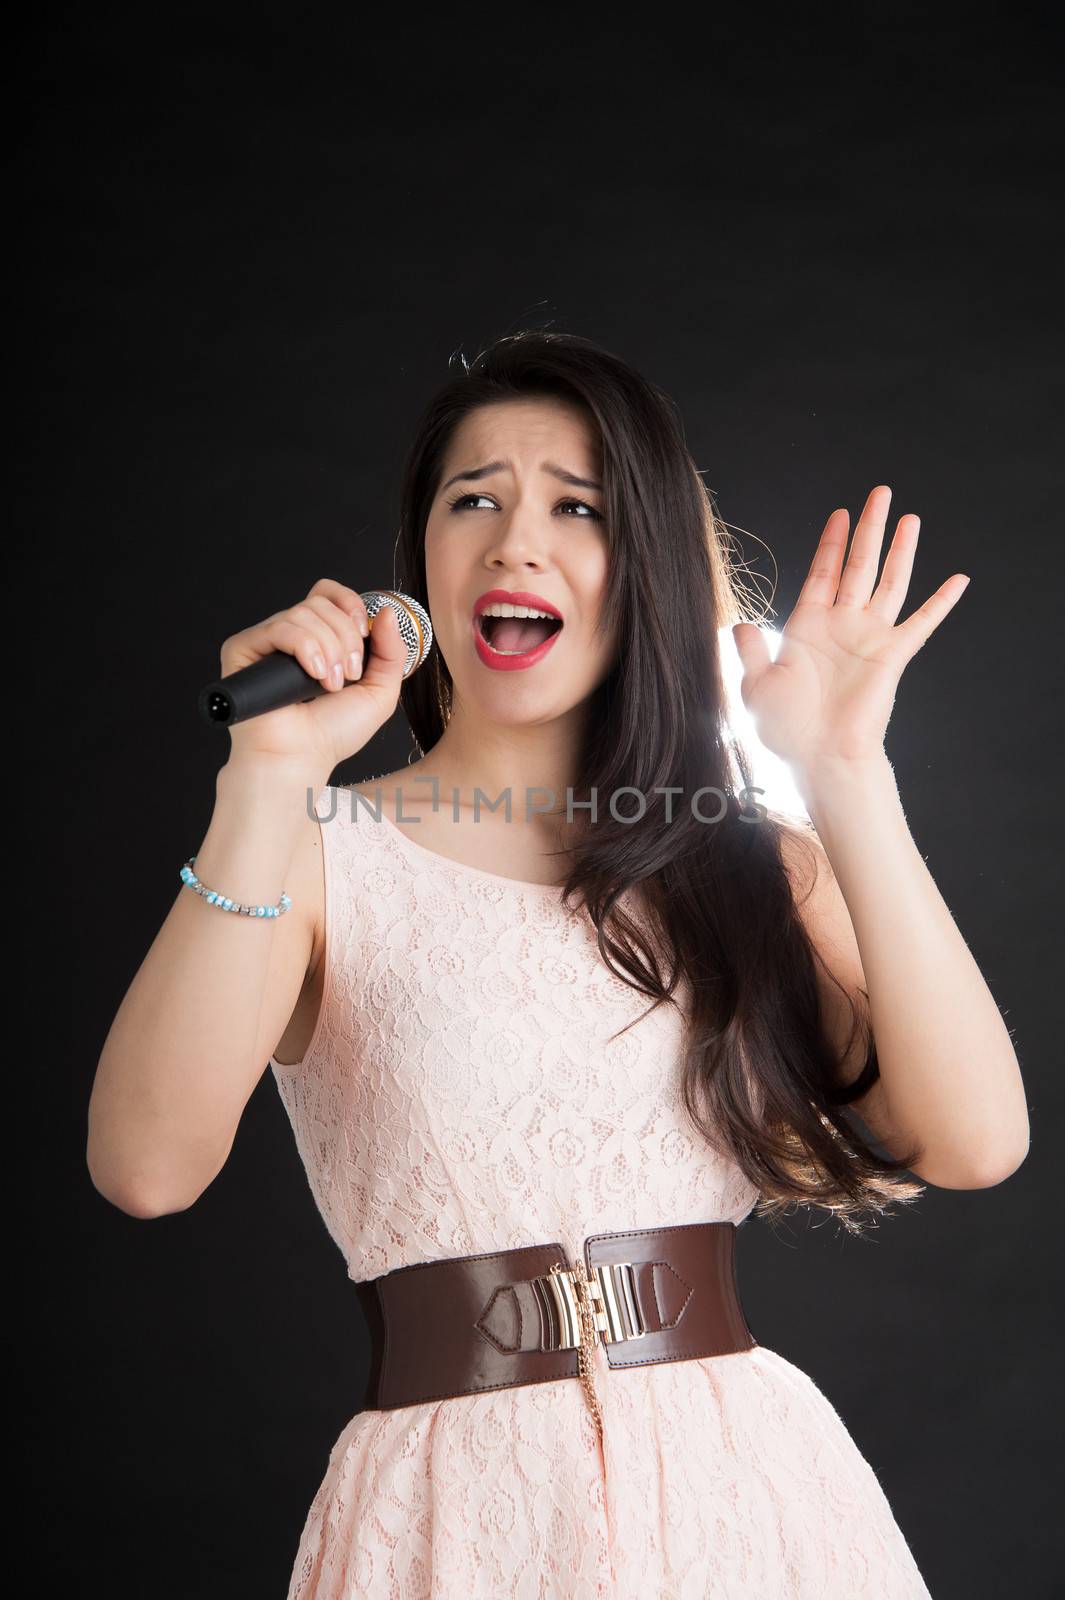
517,636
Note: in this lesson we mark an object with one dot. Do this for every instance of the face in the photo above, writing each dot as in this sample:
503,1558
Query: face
520,526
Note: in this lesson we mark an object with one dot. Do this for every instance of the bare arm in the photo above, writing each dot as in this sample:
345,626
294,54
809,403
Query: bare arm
211,999
949,1075
216,991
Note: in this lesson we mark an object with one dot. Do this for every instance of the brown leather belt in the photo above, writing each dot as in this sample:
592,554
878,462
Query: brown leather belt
442,1329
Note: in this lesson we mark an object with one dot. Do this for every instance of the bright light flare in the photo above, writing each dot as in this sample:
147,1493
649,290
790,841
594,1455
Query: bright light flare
768,772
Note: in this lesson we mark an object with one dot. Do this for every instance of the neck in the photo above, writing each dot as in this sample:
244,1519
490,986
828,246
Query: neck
534,765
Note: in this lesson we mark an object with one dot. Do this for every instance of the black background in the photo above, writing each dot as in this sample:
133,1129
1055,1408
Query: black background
254,241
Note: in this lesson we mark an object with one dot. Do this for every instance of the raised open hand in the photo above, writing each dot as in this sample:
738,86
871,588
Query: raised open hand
830,690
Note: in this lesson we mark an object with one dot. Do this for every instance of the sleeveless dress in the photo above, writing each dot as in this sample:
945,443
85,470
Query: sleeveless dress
461,1094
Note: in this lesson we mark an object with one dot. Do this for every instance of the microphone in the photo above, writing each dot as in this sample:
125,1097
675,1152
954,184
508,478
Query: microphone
279,679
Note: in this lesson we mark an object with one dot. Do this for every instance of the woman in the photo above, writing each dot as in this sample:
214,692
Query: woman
542,1061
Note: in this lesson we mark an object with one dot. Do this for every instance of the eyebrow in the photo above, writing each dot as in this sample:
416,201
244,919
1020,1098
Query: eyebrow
474,474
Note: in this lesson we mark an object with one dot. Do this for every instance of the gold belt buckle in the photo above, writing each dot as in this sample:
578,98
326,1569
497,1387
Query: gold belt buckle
609,1296
601,1308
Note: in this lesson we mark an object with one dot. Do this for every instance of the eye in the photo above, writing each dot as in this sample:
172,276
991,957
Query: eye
462,500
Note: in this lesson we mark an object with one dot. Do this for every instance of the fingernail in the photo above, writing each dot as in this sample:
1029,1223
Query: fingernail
364,626
319,667
354,664
336,676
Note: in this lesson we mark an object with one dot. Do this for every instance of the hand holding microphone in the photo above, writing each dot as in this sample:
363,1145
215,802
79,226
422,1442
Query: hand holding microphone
305,683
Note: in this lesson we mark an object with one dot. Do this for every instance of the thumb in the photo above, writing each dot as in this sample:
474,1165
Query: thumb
386,654
751,647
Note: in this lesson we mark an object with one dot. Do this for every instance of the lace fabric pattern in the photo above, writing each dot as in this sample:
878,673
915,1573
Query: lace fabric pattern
462,1093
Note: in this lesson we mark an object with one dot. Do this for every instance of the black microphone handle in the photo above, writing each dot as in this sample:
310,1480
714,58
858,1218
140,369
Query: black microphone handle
267,685
279,680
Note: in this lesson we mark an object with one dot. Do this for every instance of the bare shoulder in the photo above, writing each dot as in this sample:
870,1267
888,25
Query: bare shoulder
294,979
841,977
307,875
817,894
826,919
803,855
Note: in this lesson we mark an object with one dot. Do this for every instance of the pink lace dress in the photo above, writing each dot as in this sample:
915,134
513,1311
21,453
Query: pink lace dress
461,1094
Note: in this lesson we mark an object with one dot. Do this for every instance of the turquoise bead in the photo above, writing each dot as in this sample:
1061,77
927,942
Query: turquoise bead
214,897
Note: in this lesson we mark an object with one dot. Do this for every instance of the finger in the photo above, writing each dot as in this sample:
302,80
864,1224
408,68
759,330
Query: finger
346,628
306,638
752,647
388,655
823,576
308,615
348,599
926,619
859,574
898,569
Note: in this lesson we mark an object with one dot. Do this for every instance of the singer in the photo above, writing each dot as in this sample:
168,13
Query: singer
542,1060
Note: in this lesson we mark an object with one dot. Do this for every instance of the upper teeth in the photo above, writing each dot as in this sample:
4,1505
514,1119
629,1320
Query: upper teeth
501,608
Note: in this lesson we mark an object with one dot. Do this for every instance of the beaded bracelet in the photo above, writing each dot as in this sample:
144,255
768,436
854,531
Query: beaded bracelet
213,898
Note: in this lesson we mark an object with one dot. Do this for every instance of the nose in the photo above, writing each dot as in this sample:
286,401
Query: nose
519,541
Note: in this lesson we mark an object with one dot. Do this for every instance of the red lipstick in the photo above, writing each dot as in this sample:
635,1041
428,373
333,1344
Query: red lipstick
494,659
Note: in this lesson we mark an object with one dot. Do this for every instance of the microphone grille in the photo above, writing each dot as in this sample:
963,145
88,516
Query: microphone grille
415,629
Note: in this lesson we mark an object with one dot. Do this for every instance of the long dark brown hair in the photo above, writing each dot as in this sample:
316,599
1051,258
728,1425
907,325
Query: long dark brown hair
761,1077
